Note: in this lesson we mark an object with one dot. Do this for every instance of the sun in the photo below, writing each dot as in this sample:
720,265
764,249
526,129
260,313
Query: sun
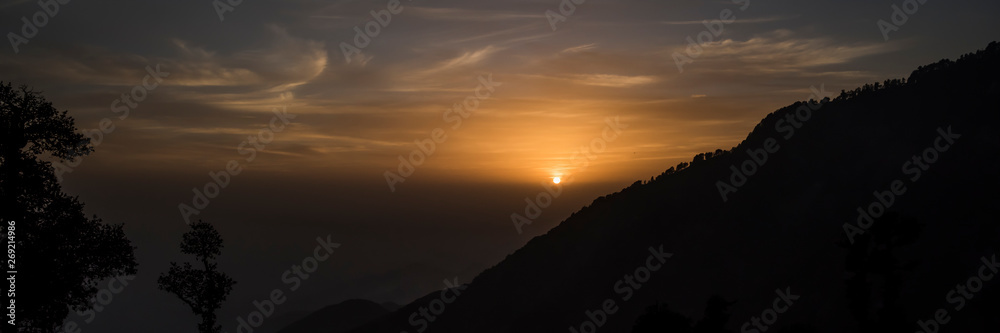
556,180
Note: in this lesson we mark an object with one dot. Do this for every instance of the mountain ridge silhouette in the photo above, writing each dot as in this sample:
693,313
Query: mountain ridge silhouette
784,228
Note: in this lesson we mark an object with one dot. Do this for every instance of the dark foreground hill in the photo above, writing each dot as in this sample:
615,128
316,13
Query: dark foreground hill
915,161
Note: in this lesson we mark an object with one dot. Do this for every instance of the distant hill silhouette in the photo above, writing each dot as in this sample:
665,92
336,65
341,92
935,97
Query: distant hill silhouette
390,306
783,229
338,318
281,321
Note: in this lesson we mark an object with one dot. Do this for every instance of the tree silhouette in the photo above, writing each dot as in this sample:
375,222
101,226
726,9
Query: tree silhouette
201,289
57,245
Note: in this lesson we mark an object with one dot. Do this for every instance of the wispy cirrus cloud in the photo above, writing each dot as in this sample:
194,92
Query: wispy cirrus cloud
782,51
580,48
736,21
611,80
473,15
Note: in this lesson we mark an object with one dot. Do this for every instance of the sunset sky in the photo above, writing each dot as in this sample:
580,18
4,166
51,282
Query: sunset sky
325,172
